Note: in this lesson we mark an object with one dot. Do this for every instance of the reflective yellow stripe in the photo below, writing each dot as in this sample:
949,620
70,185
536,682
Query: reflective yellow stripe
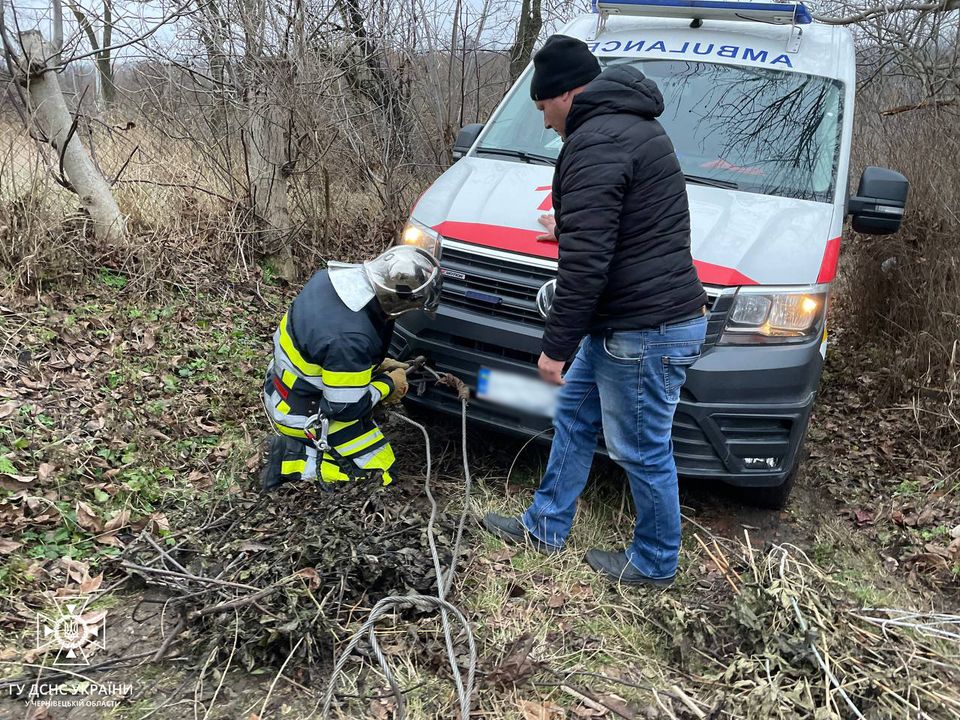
360,443
386,478
382,387
330,472
338,425
295,357
289,379
335,378
382,460
289,467
289,431
283,407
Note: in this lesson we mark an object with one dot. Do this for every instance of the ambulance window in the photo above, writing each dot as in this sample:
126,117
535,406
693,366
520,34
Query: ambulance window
763,130
518,125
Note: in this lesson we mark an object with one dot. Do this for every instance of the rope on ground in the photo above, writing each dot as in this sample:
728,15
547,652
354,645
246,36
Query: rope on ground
422,602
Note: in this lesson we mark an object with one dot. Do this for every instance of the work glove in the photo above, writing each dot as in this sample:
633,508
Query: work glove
390,364
398,376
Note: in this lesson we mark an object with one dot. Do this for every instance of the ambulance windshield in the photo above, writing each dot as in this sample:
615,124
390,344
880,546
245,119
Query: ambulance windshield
753,129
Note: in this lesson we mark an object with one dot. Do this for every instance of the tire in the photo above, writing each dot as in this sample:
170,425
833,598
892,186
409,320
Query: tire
774,497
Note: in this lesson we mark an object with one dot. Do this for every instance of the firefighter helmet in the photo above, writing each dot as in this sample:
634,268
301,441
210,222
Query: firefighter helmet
405,278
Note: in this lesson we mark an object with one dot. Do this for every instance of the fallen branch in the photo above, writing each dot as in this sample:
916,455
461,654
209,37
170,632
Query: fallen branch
686,700
722,566
238,603
127,565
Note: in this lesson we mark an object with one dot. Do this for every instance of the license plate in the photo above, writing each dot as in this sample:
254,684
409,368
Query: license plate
518,392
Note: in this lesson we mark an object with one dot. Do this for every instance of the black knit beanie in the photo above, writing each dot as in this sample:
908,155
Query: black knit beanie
563,63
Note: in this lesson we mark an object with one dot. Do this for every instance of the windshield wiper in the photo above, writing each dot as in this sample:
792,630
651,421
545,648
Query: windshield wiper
711,182
519,154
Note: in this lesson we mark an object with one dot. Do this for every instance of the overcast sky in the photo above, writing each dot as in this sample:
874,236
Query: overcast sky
133,18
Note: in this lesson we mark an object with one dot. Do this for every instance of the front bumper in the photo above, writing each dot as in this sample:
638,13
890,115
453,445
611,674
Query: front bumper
739,404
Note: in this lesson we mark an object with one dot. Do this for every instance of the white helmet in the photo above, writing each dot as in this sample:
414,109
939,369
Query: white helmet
403,278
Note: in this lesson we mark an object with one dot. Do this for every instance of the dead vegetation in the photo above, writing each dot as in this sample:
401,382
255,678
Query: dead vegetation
788,642
130,434
290,572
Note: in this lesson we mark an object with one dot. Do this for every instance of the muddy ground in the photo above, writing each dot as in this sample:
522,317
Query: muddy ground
129,424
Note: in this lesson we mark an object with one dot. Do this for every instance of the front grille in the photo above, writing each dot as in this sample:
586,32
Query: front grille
692,449
478,346
515,284
763,429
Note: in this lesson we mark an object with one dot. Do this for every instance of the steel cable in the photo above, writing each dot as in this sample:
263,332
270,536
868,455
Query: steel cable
422,602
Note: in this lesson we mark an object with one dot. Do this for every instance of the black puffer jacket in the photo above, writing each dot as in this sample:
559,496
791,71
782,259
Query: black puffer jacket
622,217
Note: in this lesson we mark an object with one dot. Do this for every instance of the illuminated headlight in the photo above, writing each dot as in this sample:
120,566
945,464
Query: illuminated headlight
772,318
421,236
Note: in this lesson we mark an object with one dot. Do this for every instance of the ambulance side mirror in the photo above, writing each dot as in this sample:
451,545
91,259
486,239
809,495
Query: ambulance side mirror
465,139
878,206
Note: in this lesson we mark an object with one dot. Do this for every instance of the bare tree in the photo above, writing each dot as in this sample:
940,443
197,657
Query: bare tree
55,126
56,33
850,14
917,43
270,160
528,30
101,46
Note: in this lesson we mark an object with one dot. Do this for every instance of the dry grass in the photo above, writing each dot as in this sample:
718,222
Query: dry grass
739,633
183,216
903,290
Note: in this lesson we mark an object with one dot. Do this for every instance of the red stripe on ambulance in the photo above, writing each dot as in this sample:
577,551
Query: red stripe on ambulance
500,237
711,274
831,255
523,241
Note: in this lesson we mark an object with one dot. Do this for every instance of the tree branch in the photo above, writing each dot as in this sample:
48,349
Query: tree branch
85,26
877,10
139,38
922,105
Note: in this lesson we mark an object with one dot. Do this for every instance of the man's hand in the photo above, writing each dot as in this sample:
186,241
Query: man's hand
389,364
399,378
550,369
550,223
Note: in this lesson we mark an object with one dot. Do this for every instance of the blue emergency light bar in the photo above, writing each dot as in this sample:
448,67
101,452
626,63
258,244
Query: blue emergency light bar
776,13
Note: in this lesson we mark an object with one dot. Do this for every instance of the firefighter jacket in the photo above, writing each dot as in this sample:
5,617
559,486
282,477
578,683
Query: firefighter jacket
324,358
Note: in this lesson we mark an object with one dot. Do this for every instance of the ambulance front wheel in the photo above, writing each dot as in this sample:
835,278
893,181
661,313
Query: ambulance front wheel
774,497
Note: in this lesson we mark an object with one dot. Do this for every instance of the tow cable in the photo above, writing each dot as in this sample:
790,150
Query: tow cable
424,602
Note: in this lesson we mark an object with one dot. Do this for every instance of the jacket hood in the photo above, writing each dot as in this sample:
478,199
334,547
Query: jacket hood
621,89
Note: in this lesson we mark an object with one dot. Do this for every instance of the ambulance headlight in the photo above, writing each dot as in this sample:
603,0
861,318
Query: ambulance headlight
421,236
770,318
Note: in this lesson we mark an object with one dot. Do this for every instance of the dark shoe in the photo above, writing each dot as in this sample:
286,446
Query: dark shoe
270,477
618,569
513,531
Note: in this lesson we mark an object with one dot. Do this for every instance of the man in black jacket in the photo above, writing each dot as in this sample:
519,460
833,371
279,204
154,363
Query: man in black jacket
627,284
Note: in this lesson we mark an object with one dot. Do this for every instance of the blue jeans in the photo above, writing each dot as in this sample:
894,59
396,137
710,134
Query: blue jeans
626,384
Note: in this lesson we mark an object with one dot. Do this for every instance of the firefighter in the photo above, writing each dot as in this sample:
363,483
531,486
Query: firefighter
329,367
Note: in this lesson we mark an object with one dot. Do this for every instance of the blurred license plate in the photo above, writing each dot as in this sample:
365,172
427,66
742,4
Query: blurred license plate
518,392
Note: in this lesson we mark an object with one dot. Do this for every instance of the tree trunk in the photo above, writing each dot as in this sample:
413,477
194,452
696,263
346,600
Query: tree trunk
51,116
103,60
269,165
57,30
108,91
528,30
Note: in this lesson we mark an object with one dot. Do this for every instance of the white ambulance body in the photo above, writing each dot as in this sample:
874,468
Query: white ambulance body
759,106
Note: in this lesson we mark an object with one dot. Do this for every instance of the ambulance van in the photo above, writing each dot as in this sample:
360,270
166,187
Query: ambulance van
760,107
